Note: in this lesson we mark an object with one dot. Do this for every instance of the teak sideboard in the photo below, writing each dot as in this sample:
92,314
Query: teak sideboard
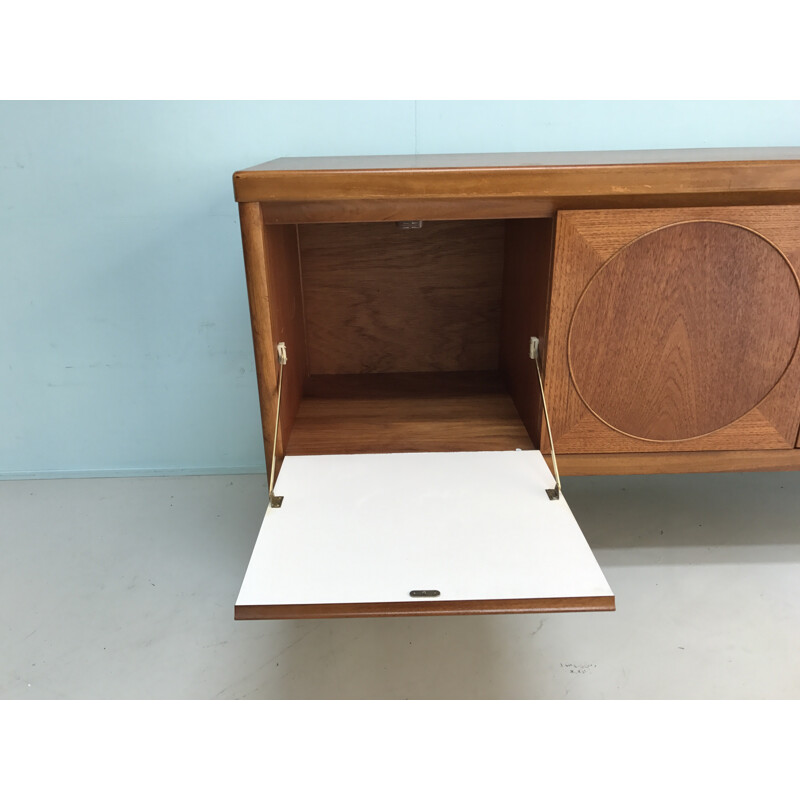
411,313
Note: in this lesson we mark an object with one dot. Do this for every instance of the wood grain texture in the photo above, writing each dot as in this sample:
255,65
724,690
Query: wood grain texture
382,299
274,291
574,158
480,207
255,263
526,289
514,185
671,463
587,240
287,317
684,330
406,413
427,608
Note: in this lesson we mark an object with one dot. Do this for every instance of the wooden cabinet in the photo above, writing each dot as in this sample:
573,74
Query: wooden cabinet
393,304
409,479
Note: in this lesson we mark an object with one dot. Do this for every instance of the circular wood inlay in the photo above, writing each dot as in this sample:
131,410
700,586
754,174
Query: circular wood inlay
684,330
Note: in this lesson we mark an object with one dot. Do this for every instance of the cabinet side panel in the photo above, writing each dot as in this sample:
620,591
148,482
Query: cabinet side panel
287,318
526,289
255,265
273,290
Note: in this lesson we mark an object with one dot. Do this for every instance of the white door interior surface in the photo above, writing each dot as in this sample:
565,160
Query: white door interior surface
356,534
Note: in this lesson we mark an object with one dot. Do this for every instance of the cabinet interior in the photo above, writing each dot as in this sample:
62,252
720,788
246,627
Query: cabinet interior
409,339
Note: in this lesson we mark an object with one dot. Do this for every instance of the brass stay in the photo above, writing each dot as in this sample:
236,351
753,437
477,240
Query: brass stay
275,502
554,493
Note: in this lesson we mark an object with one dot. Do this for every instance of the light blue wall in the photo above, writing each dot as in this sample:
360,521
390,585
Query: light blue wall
124,332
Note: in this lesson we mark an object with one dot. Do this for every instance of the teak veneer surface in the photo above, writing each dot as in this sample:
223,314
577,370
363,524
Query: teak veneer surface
274,289
255,261
671,463
515,184
681,361
405,413
684,330
526,285
757,188
382,299
555,158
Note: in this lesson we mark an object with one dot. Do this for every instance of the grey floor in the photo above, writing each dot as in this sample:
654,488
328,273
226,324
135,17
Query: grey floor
124,588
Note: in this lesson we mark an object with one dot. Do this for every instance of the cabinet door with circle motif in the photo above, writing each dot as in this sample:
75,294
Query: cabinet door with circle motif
675,330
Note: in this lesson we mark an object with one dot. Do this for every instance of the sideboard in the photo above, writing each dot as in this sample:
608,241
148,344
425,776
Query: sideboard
439,338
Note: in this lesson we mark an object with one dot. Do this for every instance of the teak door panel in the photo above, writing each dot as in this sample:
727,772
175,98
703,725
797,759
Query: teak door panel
675,330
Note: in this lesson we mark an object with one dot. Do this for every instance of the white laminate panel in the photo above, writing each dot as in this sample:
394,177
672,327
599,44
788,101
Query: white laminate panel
372,528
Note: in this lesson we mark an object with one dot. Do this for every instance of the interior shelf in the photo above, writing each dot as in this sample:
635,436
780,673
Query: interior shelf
406,413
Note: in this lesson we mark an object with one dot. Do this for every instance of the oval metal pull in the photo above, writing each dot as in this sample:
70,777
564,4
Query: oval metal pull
425,593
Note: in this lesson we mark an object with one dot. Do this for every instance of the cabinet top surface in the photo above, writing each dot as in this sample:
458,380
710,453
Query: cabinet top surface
472,161
460,186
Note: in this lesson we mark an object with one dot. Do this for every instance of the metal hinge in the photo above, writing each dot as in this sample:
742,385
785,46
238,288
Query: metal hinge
555,492
276,502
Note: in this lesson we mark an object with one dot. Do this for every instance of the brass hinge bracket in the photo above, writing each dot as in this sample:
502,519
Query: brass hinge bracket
555,492
276,502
